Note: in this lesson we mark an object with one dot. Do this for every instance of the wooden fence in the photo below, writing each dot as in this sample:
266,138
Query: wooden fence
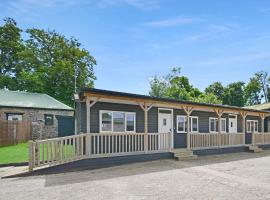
13,132
214,140
261,138
92,145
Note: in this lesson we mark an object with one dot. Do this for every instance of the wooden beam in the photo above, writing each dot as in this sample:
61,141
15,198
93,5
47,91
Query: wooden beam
169,104
88,112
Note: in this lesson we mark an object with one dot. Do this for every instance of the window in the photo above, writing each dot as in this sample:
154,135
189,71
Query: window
181,124
130,122
106,121
14,116
213,124
252,126
48,119
117,121
193,124
223,125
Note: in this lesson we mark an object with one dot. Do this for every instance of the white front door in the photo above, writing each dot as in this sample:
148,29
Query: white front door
164,123
232,125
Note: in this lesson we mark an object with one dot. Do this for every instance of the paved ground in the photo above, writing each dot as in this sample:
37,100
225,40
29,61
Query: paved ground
231,176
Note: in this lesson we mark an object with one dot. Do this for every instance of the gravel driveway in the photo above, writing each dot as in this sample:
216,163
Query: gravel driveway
230,176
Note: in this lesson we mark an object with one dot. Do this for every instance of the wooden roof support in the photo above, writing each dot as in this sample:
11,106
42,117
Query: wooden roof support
219,112
187,109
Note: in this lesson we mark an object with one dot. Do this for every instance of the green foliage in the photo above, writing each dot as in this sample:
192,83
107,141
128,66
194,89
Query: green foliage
253,92
264,81
178,87
217,89
45,62
234,94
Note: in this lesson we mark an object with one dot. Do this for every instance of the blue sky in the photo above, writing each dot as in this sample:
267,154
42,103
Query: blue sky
133,40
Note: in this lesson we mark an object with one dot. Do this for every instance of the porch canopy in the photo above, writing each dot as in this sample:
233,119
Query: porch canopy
194,140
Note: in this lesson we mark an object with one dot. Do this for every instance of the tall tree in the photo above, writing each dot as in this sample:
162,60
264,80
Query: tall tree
262,78
45,61
217,89
253,92
234,94
176,86
157,87
10,48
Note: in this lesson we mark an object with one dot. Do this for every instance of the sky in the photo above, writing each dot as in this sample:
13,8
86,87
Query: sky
134,40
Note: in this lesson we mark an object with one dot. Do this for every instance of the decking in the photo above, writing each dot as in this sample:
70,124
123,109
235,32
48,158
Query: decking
62,150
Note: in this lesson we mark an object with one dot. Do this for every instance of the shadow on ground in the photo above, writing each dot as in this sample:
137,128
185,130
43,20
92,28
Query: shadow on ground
86,175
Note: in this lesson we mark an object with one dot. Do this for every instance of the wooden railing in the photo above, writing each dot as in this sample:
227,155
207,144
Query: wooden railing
261,138
92,145
214,140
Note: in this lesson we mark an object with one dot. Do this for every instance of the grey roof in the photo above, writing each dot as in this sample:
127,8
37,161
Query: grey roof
30,100
265,106
124,94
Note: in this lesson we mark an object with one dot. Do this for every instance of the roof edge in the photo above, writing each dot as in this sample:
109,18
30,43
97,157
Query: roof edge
125,94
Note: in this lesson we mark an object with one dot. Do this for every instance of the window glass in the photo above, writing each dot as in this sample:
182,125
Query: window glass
106,121
130,121
256,126
213,125
223,125
194,124
181,124
48,119
118,121
14,117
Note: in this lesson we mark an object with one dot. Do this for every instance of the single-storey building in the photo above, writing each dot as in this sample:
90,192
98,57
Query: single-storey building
49,118
103,111
133,127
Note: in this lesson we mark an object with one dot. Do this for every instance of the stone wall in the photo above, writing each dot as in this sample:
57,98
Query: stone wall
36,116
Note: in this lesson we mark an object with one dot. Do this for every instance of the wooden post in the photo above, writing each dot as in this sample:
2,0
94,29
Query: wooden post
87,115
188,110
244,115
219,113
262,116
145,108
88,107
31,155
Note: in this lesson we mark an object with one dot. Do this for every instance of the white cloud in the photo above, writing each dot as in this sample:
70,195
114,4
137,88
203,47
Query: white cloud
33,7
172,22
212,30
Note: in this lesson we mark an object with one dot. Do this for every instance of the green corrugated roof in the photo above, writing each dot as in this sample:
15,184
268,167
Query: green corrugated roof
30,100
264,106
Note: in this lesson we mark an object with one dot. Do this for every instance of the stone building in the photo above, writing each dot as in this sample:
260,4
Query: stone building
49,117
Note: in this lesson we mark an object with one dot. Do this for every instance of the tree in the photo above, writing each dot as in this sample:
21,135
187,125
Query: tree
207,98
234,94
253,92
10,49
262,77
157,87
45,62
176,86
217,89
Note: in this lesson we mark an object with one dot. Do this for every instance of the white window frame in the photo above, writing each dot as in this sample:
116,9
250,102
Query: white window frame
216,119
248,129
191,122
216,128
134,131
223,119
125,122
185,119
100,120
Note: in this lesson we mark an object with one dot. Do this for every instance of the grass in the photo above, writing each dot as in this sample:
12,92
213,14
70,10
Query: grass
19,153
14,154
